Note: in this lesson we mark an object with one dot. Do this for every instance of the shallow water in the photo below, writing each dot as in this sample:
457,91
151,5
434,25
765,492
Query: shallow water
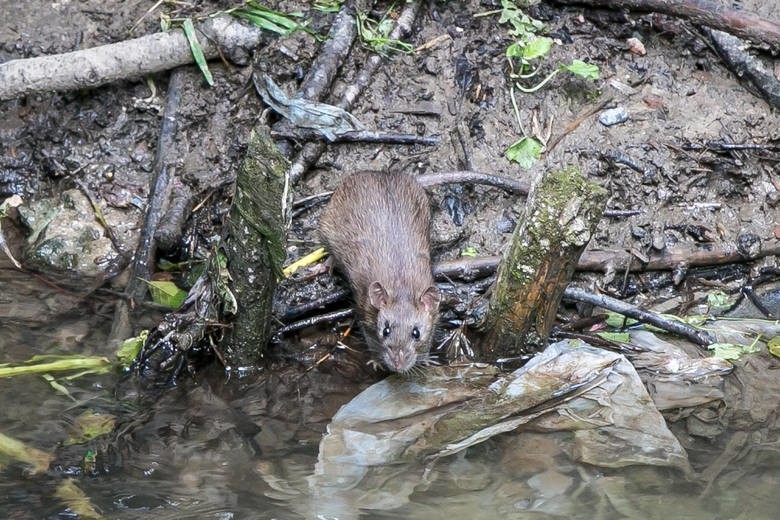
212,448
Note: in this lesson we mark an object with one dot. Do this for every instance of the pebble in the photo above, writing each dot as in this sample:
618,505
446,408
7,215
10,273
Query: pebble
613,116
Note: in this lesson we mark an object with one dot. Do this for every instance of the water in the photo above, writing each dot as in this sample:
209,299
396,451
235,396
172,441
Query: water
218,449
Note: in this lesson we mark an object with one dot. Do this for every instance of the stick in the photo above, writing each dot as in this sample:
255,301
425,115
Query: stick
605,260
124,60
357,136
158,194
473,177
700,337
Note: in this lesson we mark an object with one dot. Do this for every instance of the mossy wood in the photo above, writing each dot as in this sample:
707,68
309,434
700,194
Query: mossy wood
256,246
562,212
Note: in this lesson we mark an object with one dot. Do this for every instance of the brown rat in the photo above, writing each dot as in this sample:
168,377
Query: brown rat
376,227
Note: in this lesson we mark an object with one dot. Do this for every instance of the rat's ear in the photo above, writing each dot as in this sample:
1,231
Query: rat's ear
430,299
377,295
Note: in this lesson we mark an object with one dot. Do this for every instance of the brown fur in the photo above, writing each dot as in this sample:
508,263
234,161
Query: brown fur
376,226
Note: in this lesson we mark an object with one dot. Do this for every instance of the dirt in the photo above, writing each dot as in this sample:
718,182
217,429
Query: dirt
679,94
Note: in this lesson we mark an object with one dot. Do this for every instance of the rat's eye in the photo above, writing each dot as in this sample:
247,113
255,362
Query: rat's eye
416,333
386,330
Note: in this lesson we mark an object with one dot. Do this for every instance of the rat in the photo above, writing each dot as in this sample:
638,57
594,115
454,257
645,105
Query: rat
377,228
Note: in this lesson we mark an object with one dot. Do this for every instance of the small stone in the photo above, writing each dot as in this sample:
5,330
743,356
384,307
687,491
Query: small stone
505,223
613,116
638,232
636,46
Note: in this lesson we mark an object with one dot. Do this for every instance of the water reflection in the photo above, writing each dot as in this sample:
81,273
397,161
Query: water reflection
212,448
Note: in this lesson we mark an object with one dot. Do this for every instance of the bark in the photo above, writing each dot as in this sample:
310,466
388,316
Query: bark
130,59
256,246
561,215
747,66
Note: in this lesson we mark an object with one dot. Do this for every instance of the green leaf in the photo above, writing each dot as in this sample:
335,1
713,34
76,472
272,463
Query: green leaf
261,22
270,20
525,152
617,337
732,350
51,363
618,321
582,69
537,48
327,6
130,348
197,51
167,293
470,252
58,386
718,301
515,50
774,346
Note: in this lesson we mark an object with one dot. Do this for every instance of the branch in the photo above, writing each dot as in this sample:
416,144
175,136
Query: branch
700,337
118,61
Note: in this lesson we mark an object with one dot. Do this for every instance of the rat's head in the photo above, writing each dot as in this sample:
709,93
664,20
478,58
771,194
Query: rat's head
404,326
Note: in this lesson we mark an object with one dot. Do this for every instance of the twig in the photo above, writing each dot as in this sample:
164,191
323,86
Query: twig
699,337
606,260
357,136
746,66
331,56
671,258
294,312
615,213
308,322
163,173
100,218
584,114
468,269
467,176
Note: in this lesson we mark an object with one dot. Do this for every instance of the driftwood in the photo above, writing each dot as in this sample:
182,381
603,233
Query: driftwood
135,58
561,214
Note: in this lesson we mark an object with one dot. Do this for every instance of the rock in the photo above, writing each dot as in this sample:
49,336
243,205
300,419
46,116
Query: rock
613,116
